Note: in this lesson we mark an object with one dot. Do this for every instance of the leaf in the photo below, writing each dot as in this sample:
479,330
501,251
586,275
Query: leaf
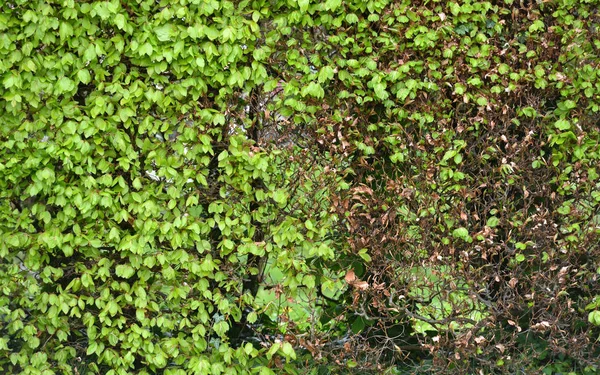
126,113
288,350
493,222
264,370
303,5
459,89
252,317
120,21
562,124
69,128
65,30
227,34
92,348
113,308
84,76
165,32
309,225
64,85
536,25
460,233
211,33
146,49
325,74
358,325
124,270
10,80
594,317
521,246
280,196
313,89
332,4
363,253
351,18
380,91
273,349
221,328
449,155
350,276
403,93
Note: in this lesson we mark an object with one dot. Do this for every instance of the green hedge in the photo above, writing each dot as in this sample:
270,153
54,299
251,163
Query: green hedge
263,187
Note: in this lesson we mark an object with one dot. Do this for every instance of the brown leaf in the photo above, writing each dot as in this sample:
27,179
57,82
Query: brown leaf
350,276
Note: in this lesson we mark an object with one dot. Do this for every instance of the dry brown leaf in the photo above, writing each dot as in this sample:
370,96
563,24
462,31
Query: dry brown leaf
350,276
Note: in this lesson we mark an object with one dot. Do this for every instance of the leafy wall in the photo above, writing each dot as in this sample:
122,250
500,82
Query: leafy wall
261,186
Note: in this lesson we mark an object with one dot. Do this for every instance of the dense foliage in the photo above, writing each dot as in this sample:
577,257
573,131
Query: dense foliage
259,187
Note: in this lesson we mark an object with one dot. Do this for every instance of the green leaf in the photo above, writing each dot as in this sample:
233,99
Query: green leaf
358,325
10,80
92,347
264,370
562,124
288,350
313,89
69,127
351,18
126,113
363,253
273,349
146,49
459,89
165,32
227,34
252,317
309,225
280,196
84,76
460,233
124,270
521,246
211,32
594,317
64,85
449,155
380,91
492,222
303,5
536,25
120,21
65,30
325,74
221,328
332,4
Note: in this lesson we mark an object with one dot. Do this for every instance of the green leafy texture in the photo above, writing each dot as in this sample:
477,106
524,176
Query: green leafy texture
170,171
141,214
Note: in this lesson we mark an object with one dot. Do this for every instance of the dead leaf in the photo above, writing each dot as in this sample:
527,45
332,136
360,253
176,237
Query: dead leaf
350,276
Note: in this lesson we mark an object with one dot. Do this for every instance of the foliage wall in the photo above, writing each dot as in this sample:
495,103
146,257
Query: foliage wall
259,187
